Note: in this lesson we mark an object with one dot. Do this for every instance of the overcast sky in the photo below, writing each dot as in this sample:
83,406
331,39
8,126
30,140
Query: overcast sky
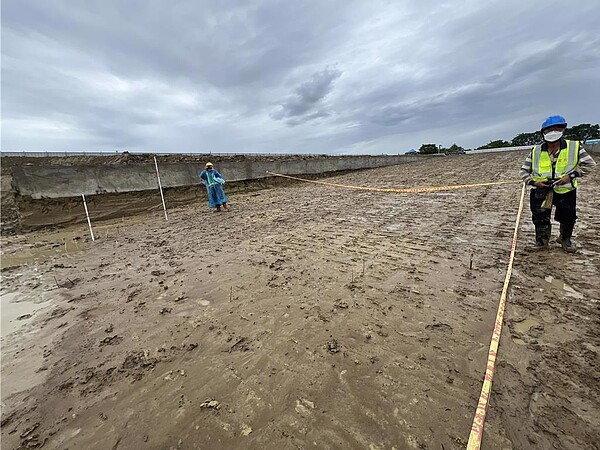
292,76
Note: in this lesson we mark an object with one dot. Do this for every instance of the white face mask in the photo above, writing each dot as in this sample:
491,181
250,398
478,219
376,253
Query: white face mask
552,136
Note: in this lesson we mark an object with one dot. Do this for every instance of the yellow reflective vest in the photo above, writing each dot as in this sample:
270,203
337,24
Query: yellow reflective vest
542,170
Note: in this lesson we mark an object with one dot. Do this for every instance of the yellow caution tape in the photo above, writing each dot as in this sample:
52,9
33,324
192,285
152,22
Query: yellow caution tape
477,427
398,190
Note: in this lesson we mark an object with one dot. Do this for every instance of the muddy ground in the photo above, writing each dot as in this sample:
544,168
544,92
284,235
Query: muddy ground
307,317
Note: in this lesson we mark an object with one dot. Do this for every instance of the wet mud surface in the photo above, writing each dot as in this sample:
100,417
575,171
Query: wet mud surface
307,317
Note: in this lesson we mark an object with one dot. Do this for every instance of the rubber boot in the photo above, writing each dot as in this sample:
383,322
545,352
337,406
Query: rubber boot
542,236
566,233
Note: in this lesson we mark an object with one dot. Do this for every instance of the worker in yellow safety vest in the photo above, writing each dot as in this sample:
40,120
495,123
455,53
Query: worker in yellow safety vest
553,170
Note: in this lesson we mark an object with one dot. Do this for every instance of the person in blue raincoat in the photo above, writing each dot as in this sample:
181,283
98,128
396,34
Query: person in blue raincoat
214,181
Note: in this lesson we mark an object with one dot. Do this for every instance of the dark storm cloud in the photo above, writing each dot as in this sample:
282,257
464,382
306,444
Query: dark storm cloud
291,76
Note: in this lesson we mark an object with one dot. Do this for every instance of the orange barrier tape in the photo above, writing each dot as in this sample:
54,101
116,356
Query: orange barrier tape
398,190
479,419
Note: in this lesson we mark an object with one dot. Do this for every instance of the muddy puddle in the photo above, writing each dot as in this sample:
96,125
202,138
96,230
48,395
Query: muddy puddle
526,325
569,291
37,254
40,246
18,310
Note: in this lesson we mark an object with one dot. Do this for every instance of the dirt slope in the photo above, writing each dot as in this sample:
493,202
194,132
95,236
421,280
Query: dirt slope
313,318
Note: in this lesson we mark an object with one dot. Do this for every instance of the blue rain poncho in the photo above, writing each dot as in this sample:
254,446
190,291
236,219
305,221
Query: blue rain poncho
214,181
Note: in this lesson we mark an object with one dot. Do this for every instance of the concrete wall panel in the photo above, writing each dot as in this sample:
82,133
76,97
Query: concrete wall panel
72,181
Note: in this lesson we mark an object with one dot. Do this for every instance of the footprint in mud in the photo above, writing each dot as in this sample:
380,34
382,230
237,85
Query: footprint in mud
332,346
525,331
111,340
525,325
304,406
132,295
241,345
439,326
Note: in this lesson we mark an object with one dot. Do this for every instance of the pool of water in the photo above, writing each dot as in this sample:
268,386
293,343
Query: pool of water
17,310
569,291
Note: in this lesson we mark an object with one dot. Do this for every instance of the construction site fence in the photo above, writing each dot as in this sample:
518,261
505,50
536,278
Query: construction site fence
594,148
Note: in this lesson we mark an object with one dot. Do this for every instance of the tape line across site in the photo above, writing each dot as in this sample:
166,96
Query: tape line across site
479,419
398,190
476,433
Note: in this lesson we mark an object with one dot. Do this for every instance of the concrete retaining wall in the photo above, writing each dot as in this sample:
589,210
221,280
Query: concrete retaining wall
499,149
72,181
593,148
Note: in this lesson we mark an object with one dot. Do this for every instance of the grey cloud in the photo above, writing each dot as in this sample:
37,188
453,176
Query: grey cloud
248,76
307,97
502,89
226,46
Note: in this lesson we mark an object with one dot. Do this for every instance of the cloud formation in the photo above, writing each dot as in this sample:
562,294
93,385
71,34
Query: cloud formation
304,104
272,76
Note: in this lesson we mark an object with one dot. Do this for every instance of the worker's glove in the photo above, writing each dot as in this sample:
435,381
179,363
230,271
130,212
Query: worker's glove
562,181
543,184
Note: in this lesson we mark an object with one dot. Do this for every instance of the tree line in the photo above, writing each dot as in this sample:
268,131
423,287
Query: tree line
581,132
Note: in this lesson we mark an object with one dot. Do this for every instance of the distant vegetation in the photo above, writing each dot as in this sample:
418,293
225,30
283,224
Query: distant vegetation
428,149
581,132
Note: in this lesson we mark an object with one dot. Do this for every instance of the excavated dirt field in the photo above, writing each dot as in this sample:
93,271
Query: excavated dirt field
307,317
23,214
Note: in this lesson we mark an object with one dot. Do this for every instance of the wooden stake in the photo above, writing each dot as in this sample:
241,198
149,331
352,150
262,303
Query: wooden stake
161,189
88,217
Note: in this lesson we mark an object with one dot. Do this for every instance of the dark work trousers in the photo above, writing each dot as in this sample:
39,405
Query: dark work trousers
564,203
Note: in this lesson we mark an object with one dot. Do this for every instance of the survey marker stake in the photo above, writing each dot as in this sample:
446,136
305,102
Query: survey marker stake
87,215
162,197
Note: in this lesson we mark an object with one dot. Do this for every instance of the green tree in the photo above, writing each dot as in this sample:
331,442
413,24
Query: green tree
454,148
428,149
527,139
495,144
583,132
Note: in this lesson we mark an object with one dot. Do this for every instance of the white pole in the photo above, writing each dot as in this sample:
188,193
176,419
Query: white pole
88,217
161,190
